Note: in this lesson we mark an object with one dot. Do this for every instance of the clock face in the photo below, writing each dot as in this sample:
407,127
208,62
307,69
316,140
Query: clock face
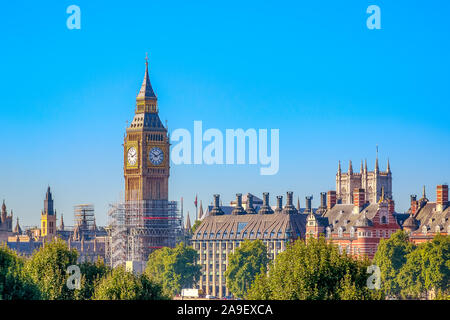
156,156
132,156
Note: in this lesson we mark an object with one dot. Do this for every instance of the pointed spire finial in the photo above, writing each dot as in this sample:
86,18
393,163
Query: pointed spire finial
350,167
339,166
388,168
365,165
146,91
361,169
424,193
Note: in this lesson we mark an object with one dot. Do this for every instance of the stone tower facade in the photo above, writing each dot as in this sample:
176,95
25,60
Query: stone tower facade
374,183
146,149
48,217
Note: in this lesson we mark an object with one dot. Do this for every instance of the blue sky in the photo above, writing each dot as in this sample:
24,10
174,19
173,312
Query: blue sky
311,69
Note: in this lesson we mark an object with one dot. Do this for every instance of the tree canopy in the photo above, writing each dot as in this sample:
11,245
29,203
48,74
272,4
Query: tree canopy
15,284
174,268
390,258
247,261
313,271
47,267
120,284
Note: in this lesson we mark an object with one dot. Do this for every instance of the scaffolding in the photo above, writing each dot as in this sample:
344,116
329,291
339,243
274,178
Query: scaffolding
137,228
84,212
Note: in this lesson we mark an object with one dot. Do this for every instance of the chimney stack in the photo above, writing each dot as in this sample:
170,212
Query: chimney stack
308,204
358,199
289,207
250,208
279,208
441,197
323,200
265,209
216,210
238,210
331,199
414,204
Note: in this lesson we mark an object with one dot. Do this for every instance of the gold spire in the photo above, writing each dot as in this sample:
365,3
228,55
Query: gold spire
382,194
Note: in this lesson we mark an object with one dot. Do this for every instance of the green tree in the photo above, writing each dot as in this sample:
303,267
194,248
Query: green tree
390,258
314,271
427,269
119,284
48,269
195,226
248,260
174,268
91,275
15,284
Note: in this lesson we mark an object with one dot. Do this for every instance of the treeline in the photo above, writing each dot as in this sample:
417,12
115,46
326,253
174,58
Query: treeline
45,276
317,271
313,271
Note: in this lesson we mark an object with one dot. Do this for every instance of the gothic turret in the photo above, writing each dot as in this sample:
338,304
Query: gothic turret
350,167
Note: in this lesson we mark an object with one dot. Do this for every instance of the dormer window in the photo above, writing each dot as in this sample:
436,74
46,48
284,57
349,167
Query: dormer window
383,220
352,232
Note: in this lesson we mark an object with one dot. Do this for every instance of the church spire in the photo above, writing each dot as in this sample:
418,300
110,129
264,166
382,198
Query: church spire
388,168
365,165
200,211
188,223
361,170
146,91
61,225
339,167
350,167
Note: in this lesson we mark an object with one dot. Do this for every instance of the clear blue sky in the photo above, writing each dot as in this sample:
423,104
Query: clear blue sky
309,68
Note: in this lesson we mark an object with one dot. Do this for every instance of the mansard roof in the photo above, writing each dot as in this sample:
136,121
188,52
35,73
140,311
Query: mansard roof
233,227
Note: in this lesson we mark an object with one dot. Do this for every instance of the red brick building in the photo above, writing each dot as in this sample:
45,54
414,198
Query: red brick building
356,228
428,218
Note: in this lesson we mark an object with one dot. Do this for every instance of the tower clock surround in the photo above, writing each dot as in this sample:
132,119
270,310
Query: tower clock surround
146,149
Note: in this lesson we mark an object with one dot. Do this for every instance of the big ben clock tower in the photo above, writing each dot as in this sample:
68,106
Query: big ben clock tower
146,149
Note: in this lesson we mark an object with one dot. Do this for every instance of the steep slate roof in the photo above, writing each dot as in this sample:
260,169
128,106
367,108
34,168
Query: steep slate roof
428,216
147,121
342,215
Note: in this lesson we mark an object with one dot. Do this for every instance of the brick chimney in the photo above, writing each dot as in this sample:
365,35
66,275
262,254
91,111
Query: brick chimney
358,199
414,204
441,197
331,199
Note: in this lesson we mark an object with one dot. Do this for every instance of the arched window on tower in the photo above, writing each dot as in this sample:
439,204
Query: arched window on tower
383,220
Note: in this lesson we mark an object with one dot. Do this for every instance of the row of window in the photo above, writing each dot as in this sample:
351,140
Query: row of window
245,234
